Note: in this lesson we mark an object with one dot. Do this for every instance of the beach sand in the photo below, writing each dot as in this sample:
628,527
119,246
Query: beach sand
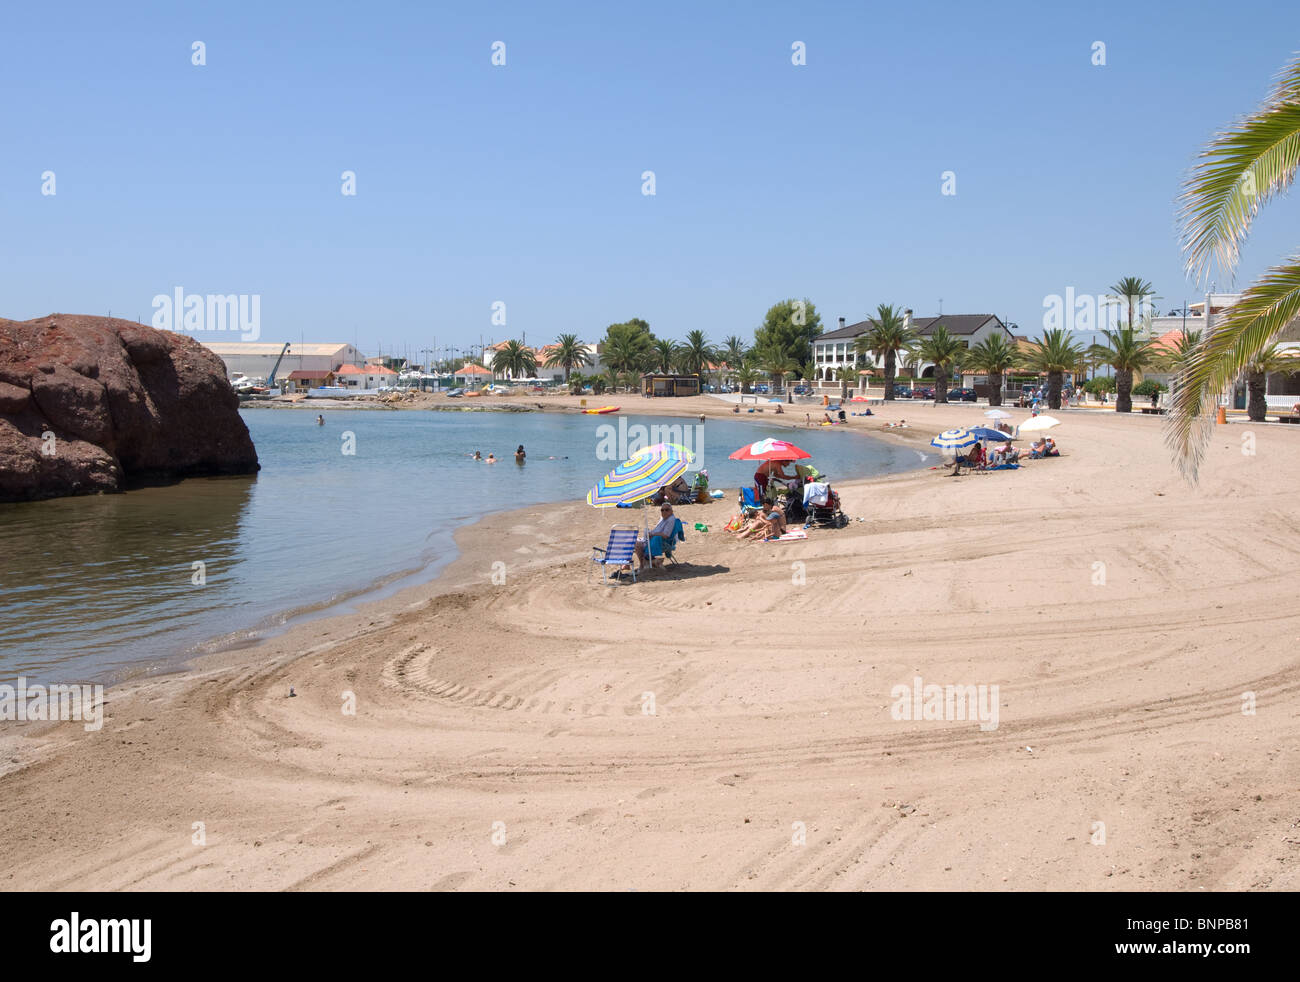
500,740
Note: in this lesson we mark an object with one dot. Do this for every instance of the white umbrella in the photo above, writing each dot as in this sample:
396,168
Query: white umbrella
1039,423
997,414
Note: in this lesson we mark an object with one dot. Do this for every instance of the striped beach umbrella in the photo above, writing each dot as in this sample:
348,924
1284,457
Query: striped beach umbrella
666,450
955,440
637,479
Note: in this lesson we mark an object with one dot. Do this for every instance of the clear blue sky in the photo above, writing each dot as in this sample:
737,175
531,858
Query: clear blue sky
522,183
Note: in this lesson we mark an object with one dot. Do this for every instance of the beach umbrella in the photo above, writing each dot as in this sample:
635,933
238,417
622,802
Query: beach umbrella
666,450
993,436
637,479
958,439
770,450
1038,423
865,399
996,414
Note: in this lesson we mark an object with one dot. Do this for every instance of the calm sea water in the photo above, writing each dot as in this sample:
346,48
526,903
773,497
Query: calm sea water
101,588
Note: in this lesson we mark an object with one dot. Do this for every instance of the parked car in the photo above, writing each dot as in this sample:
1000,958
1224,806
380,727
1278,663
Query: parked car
961,395
761,388
923,392
802,390
902,392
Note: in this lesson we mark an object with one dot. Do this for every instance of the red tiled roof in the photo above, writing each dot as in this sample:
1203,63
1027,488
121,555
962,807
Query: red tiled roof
308,375
472,369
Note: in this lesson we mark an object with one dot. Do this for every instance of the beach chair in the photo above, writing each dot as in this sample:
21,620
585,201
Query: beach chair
749,498
618,552
660,546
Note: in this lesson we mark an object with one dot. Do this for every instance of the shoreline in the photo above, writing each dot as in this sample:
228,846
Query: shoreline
523,703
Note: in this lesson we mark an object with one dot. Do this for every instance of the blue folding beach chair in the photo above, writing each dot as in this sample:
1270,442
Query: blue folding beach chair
619,551
749,498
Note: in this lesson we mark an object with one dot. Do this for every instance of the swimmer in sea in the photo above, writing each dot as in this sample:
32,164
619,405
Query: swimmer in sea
320,420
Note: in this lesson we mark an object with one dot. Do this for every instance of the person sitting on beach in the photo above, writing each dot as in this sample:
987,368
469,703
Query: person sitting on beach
975,456
826,417
779,410
769,469
736,408
1036,448
767,525
1049,447
1007,454
666,529
679,492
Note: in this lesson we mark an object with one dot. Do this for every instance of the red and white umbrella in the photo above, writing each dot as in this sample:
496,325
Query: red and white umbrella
770,450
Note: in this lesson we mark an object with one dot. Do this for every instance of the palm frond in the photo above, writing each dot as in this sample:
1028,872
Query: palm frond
1228,347
1260,153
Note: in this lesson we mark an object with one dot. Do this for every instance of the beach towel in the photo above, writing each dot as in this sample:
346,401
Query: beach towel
816,493
790,536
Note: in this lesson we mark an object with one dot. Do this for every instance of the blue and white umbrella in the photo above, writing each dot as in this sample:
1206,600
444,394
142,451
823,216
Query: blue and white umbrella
958,439
993,436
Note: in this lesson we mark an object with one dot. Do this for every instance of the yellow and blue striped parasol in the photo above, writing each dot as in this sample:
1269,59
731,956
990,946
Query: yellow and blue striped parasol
955,440
639,478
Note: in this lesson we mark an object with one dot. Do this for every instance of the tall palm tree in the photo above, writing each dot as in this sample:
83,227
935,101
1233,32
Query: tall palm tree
664,353
746,375
1125,352
944,351
1245,166
777,364
887,337
1054,354
993,356
1258,369
625,352
1132,290
569,353
515,360
733,351
695,354
844,375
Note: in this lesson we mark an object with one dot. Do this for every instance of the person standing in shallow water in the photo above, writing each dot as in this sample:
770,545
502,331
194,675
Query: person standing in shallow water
320,420
520,455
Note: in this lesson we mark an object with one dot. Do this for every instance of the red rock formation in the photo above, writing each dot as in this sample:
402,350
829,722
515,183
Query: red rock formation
92,404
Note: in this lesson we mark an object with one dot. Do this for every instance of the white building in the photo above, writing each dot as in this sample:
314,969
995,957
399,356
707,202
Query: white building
365,377
256,358
835,349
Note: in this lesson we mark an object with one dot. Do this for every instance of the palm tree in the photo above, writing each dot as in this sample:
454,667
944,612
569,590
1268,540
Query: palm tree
993,356
777,364
625,352
944,351
746,375
1243,167
1126,353
515,361
569,353
575,382
695,354
734,351
1258,369
1054,354
888,336
844,375
1175,359
664,353
1132,290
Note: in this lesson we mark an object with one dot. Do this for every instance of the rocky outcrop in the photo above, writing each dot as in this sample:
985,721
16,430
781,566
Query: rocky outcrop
95,404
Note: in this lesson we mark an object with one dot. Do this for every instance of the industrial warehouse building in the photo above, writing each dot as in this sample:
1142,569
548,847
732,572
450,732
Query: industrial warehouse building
256,358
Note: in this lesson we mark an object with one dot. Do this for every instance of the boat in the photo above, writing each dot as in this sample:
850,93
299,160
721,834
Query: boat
601,411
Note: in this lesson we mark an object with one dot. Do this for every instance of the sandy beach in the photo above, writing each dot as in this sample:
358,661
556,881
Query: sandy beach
502,738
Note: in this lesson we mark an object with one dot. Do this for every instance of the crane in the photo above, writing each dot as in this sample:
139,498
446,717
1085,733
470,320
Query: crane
270,379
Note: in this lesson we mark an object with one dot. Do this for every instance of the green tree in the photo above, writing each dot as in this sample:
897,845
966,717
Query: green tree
1244,167
575,382
1054,354
695,354
789,327
733,352
993,357
1132,291
664,355
1258,369
746,375
569,353
944,351
888,336
628,347
514,360
1126,353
